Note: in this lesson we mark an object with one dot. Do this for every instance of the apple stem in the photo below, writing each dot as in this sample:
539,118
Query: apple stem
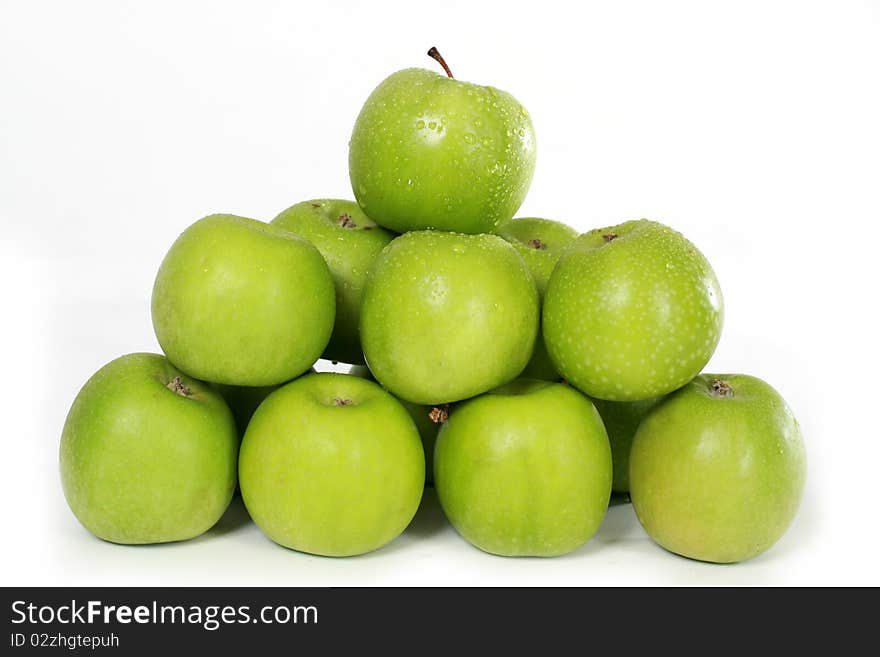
179,387
346,221
438,414
435,54
537,244
721,388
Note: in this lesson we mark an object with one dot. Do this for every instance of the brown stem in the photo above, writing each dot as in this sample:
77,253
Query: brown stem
439,414
721,388
537,244
435,54
345,221
178,386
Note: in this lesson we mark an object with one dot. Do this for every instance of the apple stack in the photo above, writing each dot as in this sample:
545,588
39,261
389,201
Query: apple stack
549,368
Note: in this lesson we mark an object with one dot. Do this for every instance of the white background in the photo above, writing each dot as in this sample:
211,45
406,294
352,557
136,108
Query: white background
752,127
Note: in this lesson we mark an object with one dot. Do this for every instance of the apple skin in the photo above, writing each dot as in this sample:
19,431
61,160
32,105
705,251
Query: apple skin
540,243
141,463
421,416
524,470
621,420
331,464
242,302
349,242
430,152
631,312
714,476
448,316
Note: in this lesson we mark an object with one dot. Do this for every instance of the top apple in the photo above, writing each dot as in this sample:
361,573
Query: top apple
432,152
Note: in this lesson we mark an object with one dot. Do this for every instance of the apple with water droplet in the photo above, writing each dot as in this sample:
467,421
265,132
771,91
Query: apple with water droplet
349,241
148,454
242,302
432,152
717,469
631,312
524,470
331,464
448,316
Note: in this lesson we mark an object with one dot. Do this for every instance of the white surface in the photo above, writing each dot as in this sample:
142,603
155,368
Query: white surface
752,127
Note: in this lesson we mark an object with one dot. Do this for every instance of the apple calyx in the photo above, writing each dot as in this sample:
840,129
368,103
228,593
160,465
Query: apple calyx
609,237
340,401
433,53
721,388
177,386
345,221
536,244
438,414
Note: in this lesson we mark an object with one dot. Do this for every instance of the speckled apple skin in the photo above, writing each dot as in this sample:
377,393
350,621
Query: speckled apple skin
718,478
540,243
242,302
328,478
524,470
349,241
430,152
632,317
141,463
448,316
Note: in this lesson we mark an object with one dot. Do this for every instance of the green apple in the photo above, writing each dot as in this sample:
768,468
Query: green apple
524,470
631,312
432,152
717,469
540,242
349,242
242,302
448,316
426,419
621,420
331,464
148,455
